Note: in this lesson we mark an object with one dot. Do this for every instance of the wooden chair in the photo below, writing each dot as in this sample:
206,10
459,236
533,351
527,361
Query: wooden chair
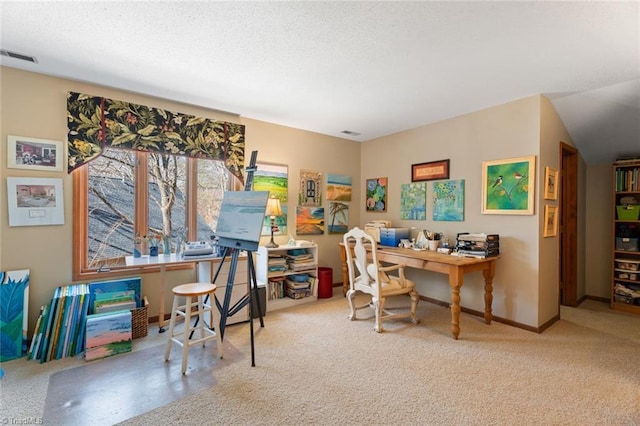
368,276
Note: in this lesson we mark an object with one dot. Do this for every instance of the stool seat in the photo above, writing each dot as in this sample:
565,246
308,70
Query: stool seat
189,292
194,289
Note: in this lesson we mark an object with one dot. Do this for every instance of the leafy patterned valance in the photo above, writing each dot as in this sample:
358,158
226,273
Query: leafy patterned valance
96,123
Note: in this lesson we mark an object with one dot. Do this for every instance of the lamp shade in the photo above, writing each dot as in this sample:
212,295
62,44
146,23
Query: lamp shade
273,207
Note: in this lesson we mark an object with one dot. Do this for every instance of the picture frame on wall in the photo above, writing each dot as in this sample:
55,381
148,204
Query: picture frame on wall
550,184
35,201
376,195
432,170
34,154
550,221
508,186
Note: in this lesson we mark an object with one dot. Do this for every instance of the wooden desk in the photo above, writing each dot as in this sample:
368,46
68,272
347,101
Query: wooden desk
455,267
163,261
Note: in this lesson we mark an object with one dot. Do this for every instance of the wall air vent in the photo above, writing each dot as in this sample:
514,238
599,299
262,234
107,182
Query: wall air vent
18,56
350,133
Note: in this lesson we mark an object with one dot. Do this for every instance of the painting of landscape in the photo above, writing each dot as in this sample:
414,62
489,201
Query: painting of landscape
272,178
338,218
309,220
241,216
338,187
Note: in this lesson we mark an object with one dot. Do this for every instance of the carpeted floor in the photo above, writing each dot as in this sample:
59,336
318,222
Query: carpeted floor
314,366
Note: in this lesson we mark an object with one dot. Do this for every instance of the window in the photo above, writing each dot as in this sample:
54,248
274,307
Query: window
125,193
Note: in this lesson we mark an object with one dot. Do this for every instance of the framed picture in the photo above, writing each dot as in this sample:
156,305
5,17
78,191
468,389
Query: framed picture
550,221
448,200
508,186
338,187
430,171
376,199
310,191
550,184
413,201
34,154
35,201
272,178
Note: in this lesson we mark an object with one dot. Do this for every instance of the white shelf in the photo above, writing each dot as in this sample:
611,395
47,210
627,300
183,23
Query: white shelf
263,275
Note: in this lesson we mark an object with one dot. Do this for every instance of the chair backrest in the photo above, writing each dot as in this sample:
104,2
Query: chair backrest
362,268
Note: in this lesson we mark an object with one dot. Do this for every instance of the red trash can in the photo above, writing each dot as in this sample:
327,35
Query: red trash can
325,283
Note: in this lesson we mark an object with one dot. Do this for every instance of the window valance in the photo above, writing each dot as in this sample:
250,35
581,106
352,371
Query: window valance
95,123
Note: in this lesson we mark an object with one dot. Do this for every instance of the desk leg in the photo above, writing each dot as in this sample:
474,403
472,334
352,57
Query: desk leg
161,313
455,281
345,272
488,274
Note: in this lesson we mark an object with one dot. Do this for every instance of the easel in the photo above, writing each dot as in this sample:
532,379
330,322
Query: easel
232,247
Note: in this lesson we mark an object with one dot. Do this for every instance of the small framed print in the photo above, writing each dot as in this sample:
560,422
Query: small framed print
35,201
550,184
34,154
550,221
433,170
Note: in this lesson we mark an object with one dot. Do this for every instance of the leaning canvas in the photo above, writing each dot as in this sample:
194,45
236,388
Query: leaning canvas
108,334
14,294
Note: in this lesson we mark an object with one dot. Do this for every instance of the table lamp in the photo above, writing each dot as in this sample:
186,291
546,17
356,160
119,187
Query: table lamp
273,209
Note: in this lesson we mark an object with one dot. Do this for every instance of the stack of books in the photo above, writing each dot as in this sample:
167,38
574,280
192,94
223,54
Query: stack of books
276,263
300,260
478,245
276,288
299,286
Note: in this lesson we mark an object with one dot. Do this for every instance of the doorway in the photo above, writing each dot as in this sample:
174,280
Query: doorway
568,226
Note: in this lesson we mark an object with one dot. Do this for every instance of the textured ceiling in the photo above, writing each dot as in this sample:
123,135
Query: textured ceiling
374,68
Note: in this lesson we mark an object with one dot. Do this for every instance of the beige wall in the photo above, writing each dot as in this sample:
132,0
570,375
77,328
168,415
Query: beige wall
525,285
34,105
526,276
599,241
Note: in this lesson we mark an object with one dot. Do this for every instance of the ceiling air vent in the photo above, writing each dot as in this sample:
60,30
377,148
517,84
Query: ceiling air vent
350,133
18,56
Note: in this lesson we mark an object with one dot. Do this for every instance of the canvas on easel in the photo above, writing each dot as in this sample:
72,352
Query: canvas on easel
240,221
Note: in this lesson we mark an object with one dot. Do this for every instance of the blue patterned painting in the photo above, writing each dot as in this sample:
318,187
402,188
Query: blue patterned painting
448,200
413,201
14,304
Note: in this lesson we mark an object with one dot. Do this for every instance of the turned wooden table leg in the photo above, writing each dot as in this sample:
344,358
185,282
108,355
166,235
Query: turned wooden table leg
455,281
488,274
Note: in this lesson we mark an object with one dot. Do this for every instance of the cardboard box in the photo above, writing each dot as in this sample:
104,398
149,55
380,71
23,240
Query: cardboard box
391,236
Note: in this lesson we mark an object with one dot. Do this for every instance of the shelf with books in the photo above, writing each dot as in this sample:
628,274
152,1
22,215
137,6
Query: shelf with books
625,276
290,274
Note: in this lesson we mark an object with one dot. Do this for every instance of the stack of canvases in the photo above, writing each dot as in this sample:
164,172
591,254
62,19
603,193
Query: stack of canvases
478,245
59,330
94,318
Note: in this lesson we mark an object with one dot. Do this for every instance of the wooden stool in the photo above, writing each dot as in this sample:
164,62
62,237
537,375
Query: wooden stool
199,291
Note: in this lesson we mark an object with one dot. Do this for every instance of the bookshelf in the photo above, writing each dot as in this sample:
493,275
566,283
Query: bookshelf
289,273
625,282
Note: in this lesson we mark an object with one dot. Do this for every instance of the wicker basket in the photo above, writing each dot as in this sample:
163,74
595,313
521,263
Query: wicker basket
140,320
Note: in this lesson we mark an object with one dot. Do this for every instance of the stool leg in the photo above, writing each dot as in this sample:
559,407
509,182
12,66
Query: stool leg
215,322
201,323
187,332
172,324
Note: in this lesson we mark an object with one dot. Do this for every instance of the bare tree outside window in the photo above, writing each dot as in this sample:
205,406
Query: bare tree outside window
112,194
